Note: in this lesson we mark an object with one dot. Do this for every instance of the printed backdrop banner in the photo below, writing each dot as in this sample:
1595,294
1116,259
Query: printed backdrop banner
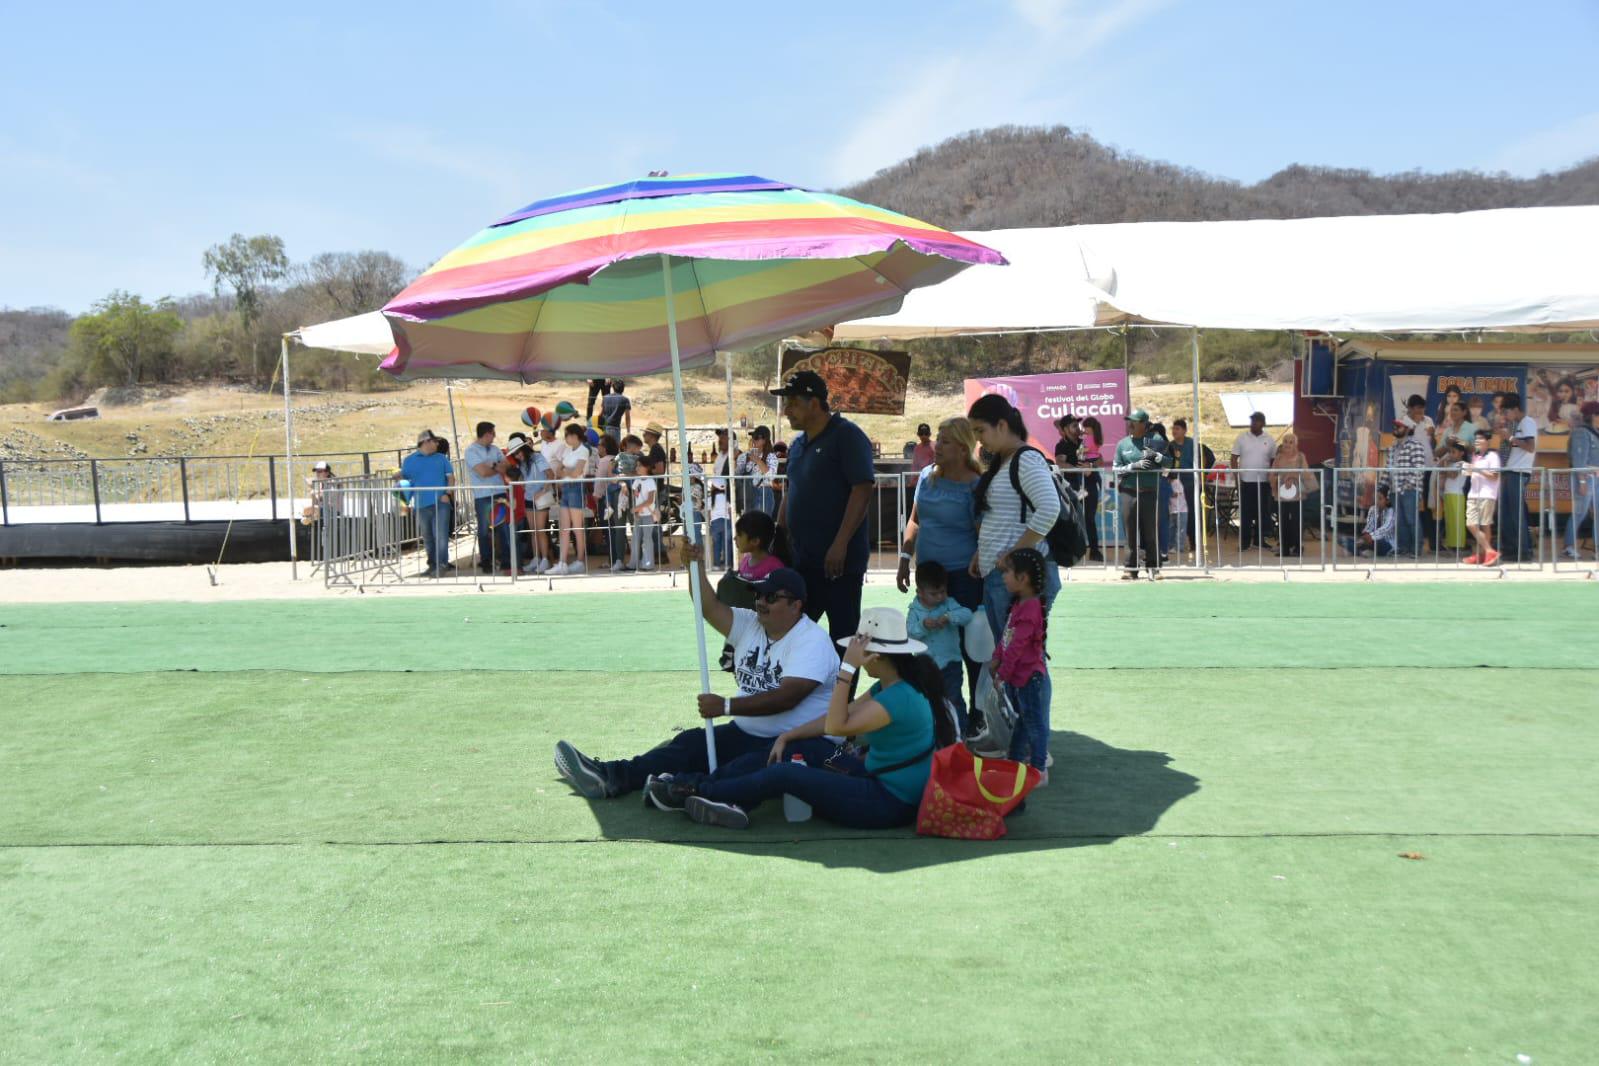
1042,398
858,380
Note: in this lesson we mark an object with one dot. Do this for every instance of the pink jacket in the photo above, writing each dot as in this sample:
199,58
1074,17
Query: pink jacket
1021,652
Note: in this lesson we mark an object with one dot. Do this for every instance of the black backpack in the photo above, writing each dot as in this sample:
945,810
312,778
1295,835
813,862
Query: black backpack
1068,537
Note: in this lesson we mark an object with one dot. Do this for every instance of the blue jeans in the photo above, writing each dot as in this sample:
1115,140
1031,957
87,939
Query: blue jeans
955,690
434,522
1407,515
843,799
493,544
1583,499
1353,547
763,499
1029,742
685,753
1515,539
996,601
719,543
967,591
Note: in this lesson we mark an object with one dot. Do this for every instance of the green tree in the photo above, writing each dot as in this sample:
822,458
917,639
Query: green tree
124,340
248,266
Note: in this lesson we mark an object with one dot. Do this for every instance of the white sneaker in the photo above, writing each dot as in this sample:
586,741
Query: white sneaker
557,570
541,566
1569,553
618,566
577,568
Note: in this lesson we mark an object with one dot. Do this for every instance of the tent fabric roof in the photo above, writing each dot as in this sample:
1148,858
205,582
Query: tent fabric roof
367,334
1517,268
1467,352
1527,269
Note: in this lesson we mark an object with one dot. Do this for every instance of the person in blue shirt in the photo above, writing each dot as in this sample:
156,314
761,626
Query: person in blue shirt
430,477
830,479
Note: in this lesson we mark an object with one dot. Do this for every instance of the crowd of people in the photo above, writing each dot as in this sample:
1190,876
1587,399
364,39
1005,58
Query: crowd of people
544,504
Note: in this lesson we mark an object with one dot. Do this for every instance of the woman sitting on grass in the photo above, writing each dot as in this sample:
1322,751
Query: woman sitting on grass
896,714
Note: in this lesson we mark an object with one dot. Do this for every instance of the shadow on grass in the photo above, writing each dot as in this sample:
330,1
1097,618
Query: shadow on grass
1097,794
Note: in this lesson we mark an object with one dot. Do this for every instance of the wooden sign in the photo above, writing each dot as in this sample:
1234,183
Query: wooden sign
858,380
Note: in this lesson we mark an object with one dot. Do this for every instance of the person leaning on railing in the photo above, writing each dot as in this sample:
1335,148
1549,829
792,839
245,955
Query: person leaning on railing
431,476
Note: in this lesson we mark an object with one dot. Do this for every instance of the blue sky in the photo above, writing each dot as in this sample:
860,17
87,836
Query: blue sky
134,136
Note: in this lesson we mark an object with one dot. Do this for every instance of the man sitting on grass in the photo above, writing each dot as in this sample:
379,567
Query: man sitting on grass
784,665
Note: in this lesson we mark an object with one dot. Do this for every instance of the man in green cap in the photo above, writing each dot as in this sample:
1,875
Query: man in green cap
1140,457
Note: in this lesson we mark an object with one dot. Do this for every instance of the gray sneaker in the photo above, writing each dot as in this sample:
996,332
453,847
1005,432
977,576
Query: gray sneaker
660,793
710,812
581,772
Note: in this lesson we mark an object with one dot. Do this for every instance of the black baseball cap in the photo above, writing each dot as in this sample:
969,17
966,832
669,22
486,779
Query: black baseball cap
781,580
803,383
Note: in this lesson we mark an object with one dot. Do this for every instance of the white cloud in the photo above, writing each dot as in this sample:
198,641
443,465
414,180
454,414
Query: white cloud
1554,148
1012,78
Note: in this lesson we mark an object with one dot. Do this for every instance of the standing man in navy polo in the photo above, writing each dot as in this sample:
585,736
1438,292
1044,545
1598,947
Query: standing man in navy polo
830,484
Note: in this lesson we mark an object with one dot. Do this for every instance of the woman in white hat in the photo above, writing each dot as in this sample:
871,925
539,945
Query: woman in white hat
897,713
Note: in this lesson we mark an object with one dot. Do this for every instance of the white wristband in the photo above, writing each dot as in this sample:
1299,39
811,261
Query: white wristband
727,706
845,671
905,555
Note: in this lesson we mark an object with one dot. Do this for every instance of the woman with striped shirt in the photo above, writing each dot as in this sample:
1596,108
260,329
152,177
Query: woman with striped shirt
1002,527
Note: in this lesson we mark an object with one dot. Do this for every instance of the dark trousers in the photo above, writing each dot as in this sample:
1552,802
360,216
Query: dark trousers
1514,533
1091,510
839,598
1251,499
843,799
1140,516
1290,513
493,542
685,753
596,390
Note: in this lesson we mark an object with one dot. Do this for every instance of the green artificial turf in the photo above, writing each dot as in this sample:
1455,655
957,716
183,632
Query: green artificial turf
245,832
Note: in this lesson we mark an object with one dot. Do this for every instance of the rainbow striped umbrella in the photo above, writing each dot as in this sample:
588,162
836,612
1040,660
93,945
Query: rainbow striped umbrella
575,286
624,280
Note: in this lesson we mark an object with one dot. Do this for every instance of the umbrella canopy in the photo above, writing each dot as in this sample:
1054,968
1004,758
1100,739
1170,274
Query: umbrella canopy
572,287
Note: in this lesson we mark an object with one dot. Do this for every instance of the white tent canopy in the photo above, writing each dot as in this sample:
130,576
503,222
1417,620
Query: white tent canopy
1517,268
366,334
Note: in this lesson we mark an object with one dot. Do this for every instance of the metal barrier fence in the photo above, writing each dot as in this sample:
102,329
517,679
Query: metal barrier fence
1243,518
168,489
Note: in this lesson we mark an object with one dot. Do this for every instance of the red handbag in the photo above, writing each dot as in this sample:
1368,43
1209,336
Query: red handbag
968,797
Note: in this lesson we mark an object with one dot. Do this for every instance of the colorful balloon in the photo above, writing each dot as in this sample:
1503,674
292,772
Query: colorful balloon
531,416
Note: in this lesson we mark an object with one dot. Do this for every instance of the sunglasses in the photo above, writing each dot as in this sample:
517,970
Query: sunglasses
773,597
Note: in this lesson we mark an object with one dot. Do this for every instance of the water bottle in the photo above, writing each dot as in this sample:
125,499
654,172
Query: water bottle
794,808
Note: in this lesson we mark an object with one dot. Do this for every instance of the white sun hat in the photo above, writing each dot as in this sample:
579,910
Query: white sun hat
886,627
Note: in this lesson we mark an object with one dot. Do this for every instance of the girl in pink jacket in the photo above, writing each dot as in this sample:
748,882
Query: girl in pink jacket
1019,661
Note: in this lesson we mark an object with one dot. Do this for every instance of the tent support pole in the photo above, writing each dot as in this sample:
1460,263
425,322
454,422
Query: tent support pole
288,452
690,520
1199,474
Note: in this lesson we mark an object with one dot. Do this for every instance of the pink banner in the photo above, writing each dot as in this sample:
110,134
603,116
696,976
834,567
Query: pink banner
1042,398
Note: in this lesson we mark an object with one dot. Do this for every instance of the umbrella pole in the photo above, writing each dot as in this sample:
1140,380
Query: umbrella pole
730,485
690,520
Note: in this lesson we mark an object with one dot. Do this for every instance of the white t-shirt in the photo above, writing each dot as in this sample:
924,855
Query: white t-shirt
572,457
1425,429
760,665
644,497
554,453
1254,456
1522,460
1484,488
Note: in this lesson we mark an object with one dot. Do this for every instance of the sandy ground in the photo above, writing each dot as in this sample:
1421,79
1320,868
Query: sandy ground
275,581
